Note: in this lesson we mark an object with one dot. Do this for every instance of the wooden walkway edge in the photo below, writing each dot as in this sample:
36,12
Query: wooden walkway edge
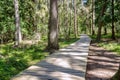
67,64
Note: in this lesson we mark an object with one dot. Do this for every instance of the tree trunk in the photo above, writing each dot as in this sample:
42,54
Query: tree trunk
70,20
113,27
82,3
67,19
93,18
75,19
101,21
18,35
53,27
105,31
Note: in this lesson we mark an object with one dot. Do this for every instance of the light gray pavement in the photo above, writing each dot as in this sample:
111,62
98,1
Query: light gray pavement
66,64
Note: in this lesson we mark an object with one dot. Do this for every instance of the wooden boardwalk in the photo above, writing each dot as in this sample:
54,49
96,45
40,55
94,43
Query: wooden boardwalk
67,64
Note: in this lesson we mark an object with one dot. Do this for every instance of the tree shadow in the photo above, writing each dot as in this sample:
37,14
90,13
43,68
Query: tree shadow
66,64
102,64
55,69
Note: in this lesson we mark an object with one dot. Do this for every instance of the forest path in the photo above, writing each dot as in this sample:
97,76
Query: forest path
102,64
67,64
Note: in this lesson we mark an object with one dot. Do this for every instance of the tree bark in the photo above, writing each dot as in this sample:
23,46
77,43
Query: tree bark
93,18
70,20
53,27
105,31
113,27
18,35
75,19
67,20
101,21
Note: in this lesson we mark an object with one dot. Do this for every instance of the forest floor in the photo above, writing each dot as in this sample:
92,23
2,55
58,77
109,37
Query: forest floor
102,63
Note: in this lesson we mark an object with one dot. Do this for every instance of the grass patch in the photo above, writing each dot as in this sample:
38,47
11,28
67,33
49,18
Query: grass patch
14,60
64,43
107,43
112,46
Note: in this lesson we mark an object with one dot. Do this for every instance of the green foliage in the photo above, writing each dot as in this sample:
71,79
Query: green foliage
32,16
107,17
63,43
13,60
108,36
34,19
6,20
112,46
107,43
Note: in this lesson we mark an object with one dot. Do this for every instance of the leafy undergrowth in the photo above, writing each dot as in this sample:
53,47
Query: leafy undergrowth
13,60
108,36
107,43
112,46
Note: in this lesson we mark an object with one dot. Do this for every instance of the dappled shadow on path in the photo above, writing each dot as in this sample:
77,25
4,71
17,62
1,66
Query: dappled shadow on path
102,64
67,64
59,66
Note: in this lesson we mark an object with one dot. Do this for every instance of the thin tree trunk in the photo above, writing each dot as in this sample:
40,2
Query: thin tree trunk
82,3
78,26
77,23
53,27
75,19
35,23
70,20
67,25
18,35
100,21
93,17
65,19
113,27
105,31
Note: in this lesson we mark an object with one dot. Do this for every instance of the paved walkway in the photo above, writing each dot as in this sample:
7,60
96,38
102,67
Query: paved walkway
67,64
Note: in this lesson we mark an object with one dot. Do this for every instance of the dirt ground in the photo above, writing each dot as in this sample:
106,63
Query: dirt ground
102,64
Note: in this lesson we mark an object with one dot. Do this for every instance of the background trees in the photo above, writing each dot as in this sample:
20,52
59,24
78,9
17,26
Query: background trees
68,19
109,19
34,15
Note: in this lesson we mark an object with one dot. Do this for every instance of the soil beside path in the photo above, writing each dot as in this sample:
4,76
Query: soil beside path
102,64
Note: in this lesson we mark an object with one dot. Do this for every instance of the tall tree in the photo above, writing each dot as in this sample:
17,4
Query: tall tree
100,21
113,27
93,17
18,35
53,26
75,19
